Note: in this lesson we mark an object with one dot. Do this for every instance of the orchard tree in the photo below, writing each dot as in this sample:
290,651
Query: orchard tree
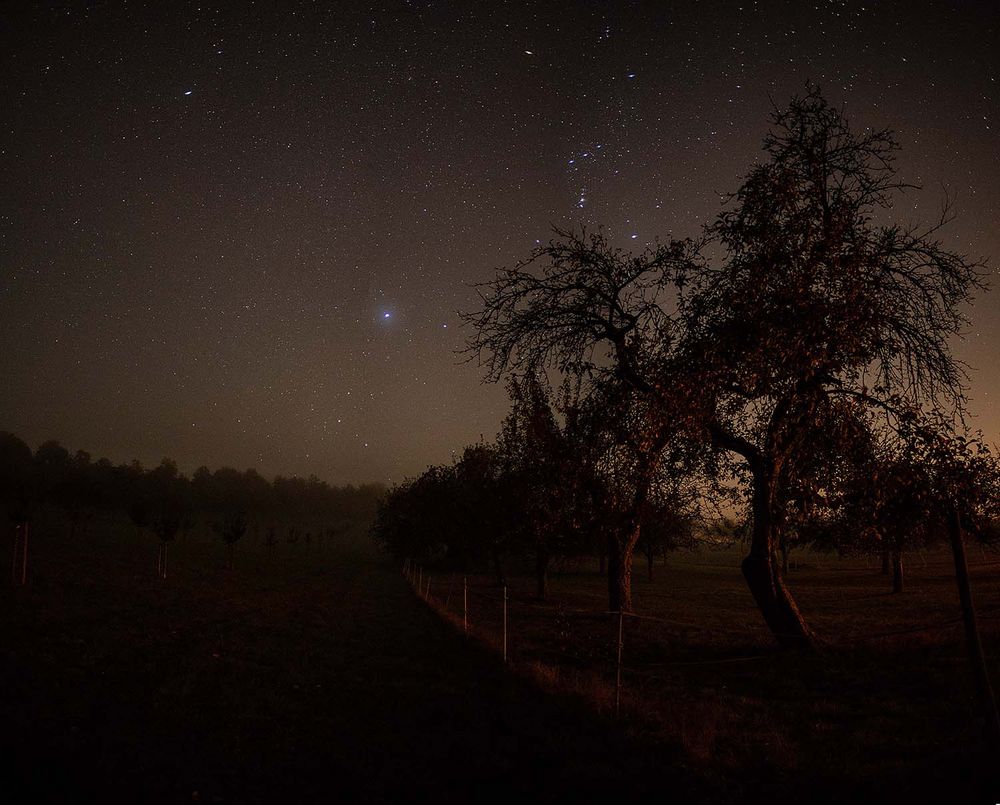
815,301
414,520
669,521
170,507
597,314
805,299
949,482
631,456
542,474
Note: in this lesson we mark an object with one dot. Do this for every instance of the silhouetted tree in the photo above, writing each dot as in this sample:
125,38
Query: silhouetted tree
815,303
952,483
170,507
540,474
809,302
231,526
668,522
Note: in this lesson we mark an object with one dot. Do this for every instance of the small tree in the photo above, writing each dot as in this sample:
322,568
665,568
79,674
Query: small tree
231,527
668,523
170,508
955,484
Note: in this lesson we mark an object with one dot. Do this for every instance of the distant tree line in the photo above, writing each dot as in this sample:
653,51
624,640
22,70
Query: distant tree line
165,503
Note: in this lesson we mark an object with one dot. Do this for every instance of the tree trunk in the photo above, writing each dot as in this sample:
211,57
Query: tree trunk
542,572
602,562
974,644
784,558
885,561
897,571
620,551
763,574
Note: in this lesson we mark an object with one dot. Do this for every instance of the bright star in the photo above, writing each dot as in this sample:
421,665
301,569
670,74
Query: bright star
386,315
188,91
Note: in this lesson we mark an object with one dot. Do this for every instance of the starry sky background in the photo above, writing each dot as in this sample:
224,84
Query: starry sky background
239,234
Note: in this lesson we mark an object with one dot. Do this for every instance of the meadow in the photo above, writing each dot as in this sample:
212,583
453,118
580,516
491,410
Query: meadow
309,675
315,672
886,711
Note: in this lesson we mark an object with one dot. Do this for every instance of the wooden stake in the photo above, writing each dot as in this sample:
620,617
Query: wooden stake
618,668
16,554
24,556
505,624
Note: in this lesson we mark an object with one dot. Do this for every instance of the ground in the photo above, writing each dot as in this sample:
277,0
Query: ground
886,710
319,674
315,676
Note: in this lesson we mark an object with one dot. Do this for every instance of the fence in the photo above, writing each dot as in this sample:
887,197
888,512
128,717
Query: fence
487,612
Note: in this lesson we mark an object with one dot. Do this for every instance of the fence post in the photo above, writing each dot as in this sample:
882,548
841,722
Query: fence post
24,556
465,604
505,624
618,668
16,554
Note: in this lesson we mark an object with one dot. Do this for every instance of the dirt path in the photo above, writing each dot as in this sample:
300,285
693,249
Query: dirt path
327,686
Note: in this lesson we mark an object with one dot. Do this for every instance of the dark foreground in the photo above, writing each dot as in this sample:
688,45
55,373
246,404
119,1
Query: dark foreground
312,677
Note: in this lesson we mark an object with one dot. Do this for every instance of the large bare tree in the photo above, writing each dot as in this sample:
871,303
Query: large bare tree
813,303
592,311
818,299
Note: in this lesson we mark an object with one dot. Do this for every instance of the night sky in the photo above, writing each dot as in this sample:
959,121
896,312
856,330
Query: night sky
239,235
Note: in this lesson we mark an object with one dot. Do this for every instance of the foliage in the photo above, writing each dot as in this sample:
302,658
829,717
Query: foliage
164,500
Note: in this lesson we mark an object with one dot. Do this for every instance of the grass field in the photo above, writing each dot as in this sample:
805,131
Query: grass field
887,711
318,675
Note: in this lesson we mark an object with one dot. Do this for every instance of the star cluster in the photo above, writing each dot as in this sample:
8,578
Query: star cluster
240,235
